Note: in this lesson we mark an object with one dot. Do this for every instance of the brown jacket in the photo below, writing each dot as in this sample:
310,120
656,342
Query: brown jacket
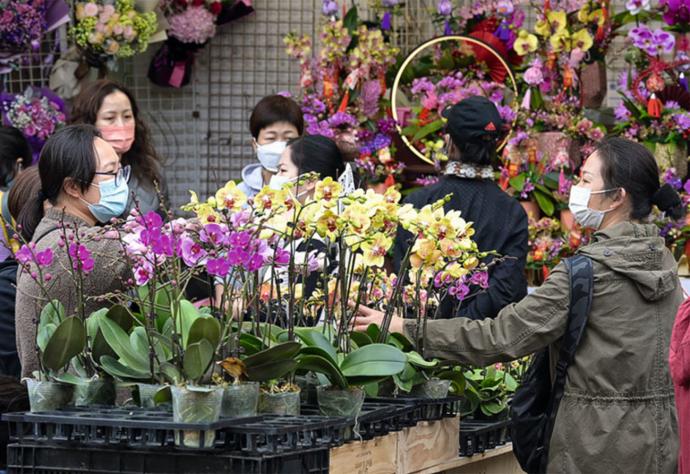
106,277
617,413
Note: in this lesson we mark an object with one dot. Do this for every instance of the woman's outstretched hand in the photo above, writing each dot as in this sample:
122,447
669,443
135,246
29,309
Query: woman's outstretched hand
366,316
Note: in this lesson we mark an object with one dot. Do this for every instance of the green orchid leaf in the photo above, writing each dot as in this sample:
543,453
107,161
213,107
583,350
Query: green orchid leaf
314,338
52,313
163,395
67,341
272,363
171,373
428,129
188,313
197,358
251,344
120,343
374,360
322,365
545,202
401,341
361,339
45,332
205,327
120,371
416,359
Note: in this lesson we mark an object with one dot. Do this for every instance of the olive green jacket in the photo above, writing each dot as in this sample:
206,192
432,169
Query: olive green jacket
617,413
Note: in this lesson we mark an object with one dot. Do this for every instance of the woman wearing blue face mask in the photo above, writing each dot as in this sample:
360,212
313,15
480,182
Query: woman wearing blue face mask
617,412
84,183
274,121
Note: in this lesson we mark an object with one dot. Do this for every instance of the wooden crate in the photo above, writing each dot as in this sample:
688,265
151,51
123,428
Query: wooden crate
413,449
376,456
493,461
428,444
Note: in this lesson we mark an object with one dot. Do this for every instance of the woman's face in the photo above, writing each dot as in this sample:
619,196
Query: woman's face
591,177
286,167
277,132
116,110
107,161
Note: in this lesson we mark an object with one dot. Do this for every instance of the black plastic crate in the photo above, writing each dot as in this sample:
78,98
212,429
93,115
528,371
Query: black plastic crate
147,428
476,436
425,409
52,459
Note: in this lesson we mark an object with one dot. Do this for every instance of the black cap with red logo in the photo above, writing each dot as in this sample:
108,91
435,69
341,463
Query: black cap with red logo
474,119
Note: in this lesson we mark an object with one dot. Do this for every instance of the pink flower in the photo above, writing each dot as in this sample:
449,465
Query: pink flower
143,272
218,267
191,251
90,9
81,258
24,255
193,25
44,258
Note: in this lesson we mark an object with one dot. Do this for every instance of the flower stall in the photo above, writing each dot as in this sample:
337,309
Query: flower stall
273,377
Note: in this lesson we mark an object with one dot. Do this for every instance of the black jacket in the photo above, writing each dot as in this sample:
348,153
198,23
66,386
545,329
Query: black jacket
500,224
9,361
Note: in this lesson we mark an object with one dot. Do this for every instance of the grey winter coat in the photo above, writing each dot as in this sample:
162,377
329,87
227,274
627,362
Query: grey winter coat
617,414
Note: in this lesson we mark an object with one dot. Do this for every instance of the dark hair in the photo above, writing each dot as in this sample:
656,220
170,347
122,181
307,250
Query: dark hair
273,109
142,157
316,154
68,154
630,165
480,152
26,186
13,145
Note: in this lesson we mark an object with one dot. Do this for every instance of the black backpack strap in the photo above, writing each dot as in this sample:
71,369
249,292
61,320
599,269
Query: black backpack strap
49,231
581,283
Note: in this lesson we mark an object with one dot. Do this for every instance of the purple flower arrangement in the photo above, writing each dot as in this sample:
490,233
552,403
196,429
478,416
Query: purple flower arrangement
22,23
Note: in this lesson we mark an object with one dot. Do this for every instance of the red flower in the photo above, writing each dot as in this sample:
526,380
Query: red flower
198,3
216,8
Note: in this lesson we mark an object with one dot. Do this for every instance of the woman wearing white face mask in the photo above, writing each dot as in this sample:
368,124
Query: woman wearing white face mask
617,413
84,182
274,121
112,109
310,154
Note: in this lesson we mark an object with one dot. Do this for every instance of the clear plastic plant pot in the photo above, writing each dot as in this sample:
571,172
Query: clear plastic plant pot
48,396
94,392
285,403
432,388
308,384
339,402
196,405
240,400
151,395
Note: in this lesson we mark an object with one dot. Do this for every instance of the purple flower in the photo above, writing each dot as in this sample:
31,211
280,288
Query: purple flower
240,239
371,92
481,279
143,272
342,120
218,267
460,290
621,112
254,263
635,7
329,7
24,255
151,220
44,258
81,258
686,187
641,37
672,179
664,41
386,21
213,234
527,188
675,11
281,256
191,251
444,7
682,121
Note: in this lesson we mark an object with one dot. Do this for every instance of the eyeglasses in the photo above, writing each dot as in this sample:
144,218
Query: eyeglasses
121,175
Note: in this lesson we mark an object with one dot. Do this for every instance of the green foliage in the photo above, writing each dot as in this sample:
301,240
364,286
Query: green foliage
66,342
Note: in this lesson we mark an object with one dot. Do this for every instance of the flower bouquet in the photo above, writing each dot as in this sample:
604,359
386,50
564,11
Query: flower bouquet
108,30
192,23
37,113
345,85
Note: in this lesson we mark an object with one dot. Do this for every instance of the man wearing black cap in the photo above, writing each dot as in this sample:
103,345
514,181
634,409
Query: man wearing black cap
474,128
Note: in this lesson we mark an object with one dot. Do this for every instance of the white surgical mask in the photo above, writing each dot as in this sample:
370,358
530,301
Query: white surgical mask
579,206
269,155
278,182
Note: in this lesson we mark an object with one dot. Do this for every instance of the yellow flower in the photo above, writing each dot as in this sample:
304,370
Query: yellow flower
525,43
425,253
356,216
375,250
582,39
583,13
327,225
230,197
470,263
554,23
407,216
327,191
455,270
392,195
560,41
269,200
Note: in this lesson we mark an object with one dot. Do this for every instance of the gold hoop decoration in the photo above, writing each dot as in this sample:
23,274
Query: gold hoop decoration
411,57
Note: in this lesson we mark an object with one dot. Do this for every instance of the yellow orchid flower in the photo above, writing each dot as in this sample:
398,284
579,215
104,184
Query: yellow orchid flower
555,22
582,39
392,195
375,250
328,191
560,41
525,43
230,197
424,253
456,271
327,225
356,216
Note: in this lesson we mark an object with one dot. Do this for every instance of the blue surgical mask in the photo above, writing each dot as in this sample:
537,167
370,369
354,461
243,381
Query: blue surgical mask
113,200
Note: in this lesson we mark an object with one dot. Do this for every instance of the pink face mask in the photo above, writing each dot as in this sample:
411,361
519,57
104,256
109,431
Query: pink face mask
121,138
